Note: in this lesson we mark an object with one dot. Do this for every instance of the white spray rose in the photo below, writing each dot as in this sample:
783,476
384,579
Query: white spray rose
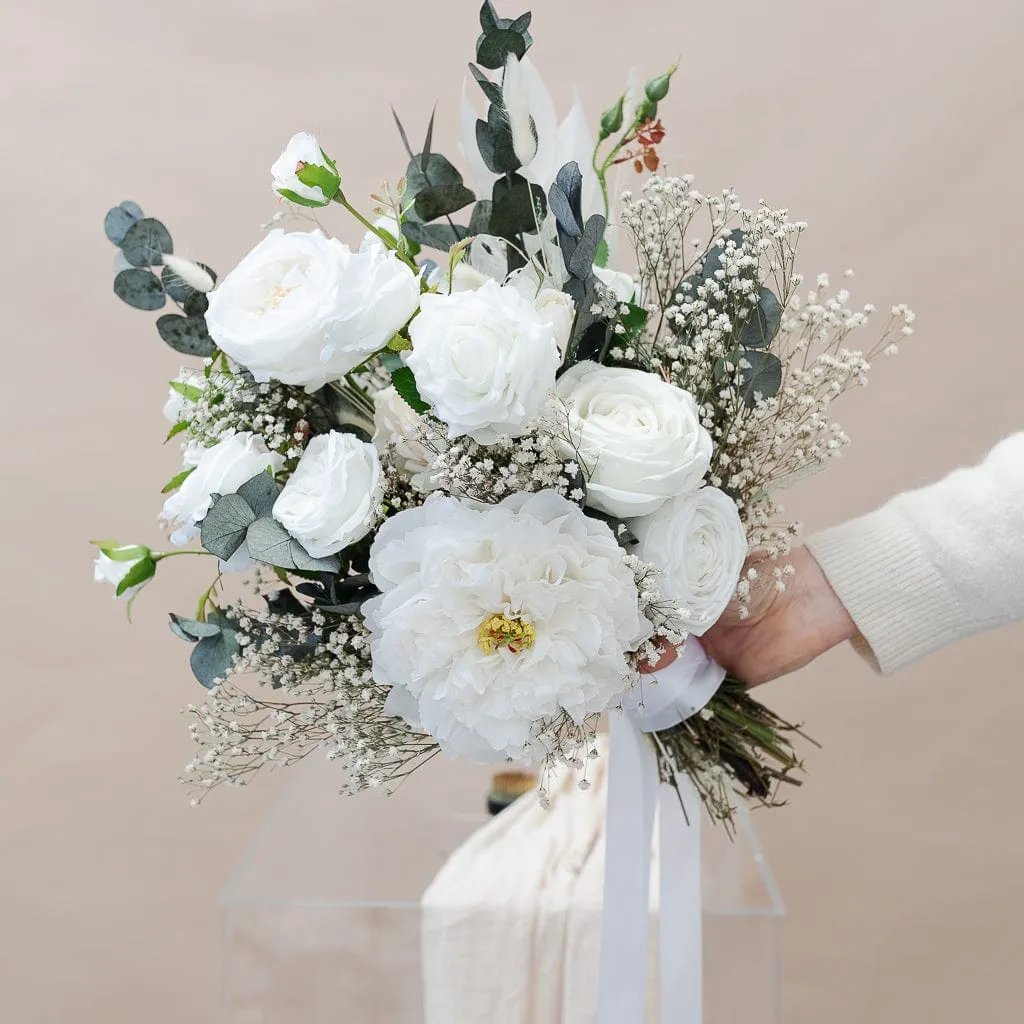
395,422
639,436
303,150
221,469
620,284
304,309
699,542
332,498
485,360
114,570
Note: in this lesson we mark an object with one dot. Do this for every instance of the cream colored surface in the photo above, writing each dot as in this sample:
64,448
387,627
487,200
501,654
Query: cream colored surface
891,125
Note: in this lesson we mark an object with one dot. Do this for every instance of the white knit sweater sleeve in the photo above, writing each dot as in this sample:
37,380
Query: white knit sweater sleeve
936,564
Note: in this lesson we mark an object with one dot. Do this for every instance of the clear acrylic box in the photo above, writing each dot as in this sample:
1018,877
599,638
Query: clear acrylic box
321,920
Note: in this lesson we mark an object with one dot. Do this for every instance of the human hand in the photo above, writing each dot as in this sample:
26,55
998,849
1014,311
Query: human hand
784,629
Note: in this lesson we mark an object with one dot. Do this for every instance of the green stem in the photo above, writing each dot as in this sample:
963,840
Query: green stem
158,556
388,242
207,599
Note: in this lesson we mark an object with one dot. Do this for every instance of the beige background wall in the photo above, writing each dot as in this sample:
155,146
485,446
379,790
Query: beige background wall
893,126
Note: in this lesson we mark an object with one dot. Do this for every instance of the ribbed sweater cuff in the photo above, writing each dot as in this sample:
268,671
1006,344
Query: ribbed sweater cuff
895,595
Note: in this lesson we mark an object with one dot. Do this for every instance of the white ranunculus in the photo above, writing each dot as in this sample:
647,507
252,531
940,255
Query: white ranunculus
221,469
395,422
485,360
491,622
699,542
303,148
304,309
332,498
620,284
640,437
110,570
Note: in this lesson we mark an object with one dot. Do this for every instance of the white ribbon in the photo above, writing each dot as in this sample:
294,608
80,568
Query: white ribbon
663,699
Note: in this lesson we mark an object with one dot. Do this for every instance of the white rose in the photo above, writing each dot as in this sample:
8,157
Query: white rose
221,469
699,542
639,437
485,360
331,499
303,148
395,422
621,285
552,303
304,309
112,571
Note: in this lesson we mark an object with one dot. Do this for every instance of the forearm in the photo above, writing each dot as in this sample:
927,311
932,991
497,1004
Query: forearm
936,564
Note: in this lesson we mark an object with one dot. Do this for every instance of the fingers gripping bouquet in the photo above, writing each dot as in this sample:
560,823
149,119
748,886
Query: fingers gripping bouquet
479,475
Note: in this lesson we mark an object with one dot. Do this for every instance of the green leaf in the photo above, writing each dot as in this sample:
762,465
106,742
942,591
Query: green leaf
323,178
489,20
119,219
294,197
480,219
260,493
145,243
434,236
493,47
763,377
490,89
223,530
435,171
144,569
405,385
268,541
192,629
139,288
124,552
764,322
518,209
176,481
176,430
494,140
305,562
442,200
186,334
601,256
196,305
212,657
187,391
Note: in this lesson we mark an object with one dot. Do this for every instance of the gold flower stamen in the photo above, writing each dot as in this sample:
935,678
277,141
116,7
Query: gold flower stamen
499,631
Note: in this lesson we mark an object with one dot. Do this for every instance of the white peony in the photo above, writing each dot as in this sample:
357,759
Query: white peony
493,622
221,469
699,542
395,422
620,284
332,498
485,360
304,309
640,437
303,148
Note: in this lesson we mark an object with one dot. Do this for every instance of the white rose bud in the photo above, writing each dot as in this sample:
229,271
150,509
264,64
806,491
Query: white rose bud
332,498
304,309
485,360
396,423
304,173
386,224
640,437
221,469
699,542
113,570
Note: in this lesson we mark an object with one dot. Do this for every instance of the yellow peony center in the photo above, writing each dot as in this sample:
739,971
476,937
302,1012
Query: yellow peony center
499,631
277,295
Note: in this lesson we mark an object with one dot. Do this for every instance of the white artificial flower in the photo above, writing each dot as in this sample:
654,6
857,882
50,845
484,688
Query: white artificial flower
177,405
112,571
304,309
395,422
620,284
221,469
485,360
491,622
464,278
552,303
302,148
389,225
639,437
332,498
699,543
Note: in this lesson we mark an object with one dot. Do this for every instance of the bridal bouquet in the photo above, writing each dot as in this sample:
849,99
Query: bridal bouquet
481,471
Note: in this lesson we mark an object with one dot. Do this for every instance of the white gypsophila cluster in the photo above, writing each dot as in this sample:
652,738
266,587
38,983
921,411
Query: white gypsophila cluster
309,686
705,266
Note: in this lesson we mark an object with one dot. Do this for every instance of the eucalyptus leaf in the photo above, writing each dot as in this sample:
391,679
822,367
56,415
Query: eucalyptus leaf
764,322
186,334
517,210
762,377
493,48
581,263
713,260
118,220
179,290
139,288
260,493
212,657
433,172
305,562
196,305
622,533
489,20
442,200
145,243
480,219
494,140
566,199
224,527
270,542
192,629
490,89
435,236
